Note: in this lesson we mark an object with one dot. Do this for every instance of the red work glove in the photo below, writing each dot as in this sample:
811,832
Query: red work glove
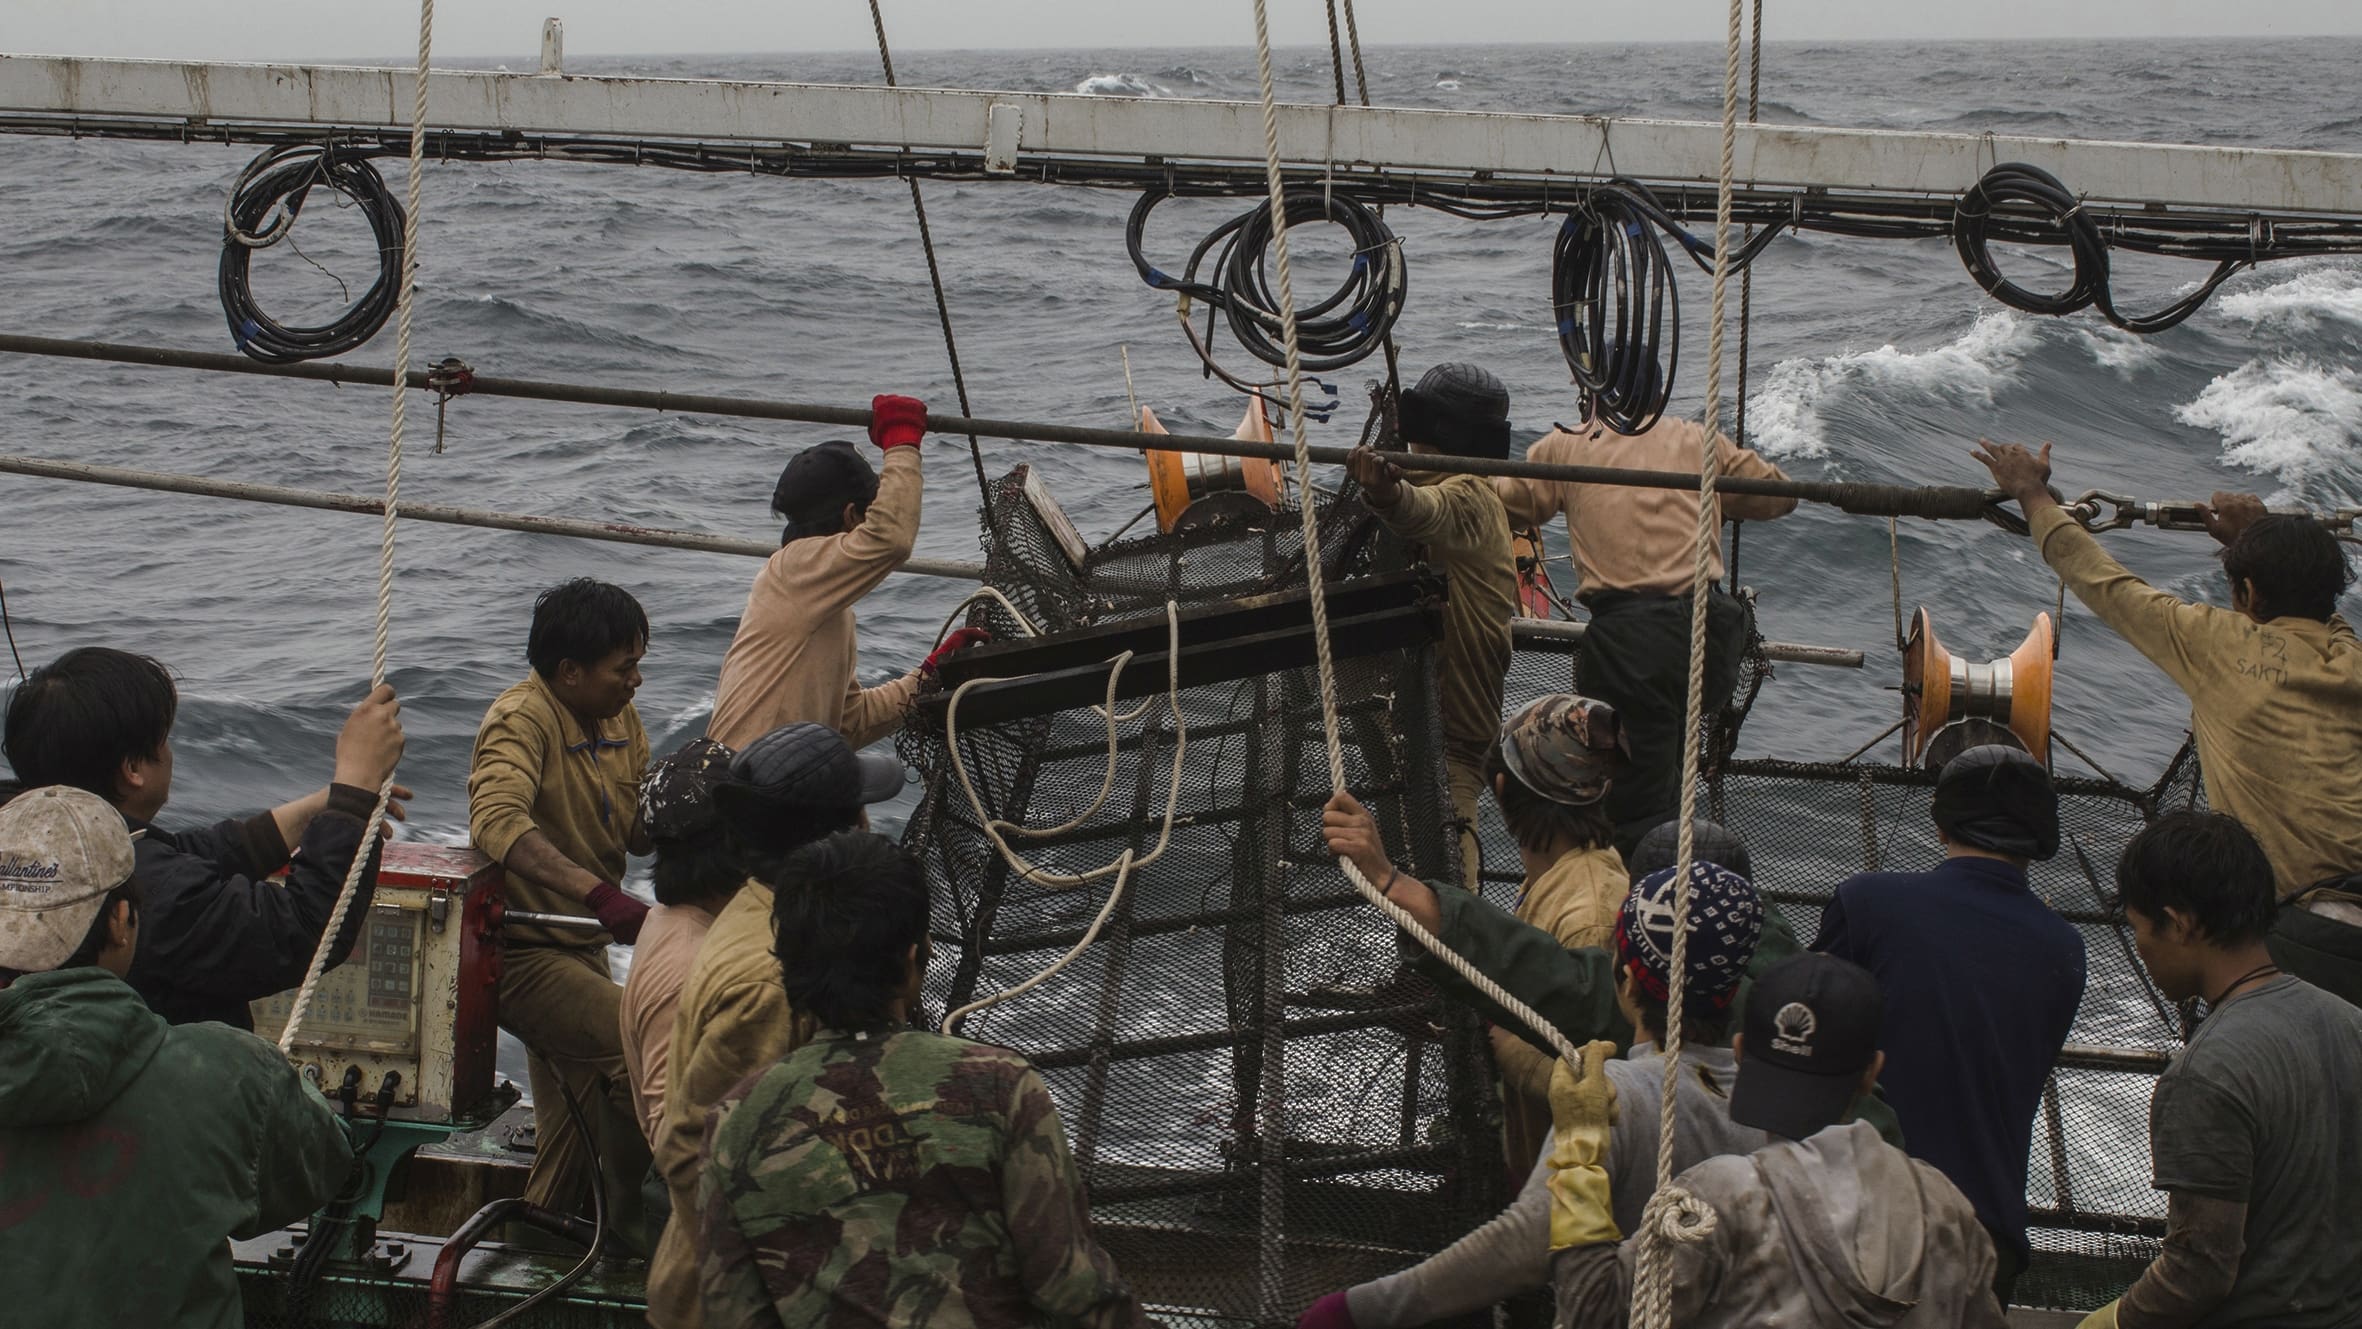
896,422
1330,1312
620,914
958,641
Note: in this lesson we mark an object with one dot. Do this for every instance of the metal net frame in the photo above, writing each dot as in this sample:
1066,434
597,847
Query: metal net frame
1265,1103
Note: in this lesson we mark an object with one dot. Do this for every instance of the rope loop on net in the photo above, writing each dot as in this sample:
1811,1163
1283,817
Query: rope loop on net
261,211
997,830
406,305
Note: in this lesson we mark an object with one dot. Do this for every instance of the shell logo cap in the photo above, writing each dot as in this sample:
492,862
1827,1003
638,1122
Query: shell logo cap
1810,1029
61,851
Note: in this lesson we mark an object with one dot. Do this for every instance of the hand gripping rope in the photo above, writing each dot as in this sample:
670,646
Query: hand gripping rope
405,305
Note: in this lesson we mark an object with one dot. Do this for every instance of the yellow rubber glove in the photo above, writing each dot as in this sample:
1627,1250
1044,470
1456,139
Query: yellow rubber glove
2103,1318
1582,1110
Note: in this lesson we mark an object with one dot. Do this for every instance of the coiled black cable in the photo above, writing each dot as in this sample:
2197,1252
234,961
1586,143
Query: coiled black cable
2015,201
1618,310
283,178
1342,330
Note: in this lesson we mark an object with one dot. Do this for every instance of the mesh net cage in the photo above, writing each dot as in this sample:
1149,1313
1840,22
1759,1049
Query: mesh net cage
1264,1104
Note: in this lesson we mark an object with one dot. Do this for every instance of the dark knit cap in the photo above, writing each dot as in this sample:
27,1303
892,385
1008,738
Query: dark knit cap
1998,799
816,485
1460,408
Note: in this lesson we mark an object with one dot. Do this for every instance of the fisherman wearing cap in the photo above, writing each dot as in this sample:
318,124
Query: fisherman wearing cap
1457,410
2275,688
1635,554
786,789
847,527
695,874
130,1149
1827,1225
2255,1128
1510,1254
1981,981
1550,772
553,797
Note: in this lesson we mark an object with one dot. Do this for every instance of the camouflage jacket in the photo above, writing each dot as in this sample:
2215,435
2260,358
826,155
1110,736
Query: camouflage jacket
901,1179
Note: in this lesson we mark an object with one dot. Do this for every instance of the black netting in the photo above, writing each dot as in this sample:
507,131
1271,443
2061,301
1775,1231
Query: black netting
1265,1105
397,1302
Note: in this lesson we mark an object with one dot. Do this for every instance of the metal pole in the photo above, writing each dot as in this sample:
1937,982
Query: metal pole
615,531
1935,501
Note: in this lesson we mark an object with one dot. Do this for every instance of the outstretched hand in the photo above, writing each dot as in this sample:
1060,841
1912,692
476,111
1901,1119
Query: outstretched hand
2017,472
1352,834
2229,514
1378,477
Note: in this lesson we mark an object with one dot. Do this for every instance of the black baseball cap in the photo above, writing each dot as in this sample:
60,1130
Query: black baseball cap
1810,1030
816,485
805,766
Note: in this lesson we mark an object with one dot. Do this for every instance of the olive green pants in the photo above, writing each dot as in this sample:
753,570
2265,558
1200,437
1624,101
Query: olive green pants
561,1004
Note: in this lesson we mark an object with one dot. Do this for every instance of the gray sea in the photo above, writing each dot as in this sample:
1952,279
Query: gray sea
1872,361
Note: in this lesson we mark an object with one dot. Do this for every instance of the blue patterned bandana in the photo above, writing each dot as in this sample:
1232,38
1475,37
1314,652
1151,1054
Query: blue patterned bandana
1726,920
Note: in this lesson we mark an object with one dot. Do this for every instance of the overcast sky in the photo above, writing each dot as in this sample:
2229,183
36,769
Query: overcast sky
387,29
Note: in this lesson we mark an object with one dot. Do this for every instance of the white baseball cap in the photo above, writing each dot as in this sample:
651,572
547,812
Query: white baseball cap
61,850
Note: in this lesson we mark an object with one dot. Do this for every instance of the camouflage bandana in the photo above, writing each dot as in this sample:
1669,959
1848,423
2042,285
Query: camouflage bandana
1565,748
1726,920
677,794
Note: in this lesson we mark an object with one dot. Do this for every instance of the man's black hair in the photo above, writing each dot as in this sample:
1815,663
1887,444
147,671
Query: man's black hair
762,849
2295,564
1700,1024
846,911
95,940
584,621
77,719
1537,822
701,868
2206,865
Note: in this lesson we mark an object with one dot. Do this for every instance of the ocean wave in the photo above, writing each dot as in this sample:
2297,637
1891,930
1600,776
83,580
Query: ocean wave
1785,416
2302,302
2290,417
1121,85
2126,353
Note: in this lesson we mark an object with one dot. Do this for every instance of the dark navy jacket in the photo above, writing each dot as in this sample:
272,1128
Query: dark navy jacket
1981,981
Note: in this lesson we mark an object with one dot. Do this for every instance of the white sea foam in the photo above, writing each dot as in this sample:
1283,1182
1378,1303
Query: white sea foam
2289,417
1121,85
2122,351
2302,302
1784,416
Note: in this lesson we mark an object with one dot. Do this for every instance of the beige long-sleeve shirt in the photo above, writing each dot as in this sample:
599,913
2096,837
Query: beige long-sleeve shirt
537,768
2276,707
795,651
661,960
1458,520
1630,539
734,1020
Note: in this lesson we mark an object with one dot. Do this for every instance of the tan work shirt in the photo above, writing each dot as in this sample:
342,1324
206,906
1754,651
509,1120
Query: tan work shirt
1629,539
2276,707
795,651
537,768
1576,900
661,961
1458,519
734,1021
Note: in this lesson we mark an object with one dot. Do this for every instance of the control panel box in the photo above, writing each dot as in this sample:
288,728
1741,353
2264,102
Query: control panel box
420,993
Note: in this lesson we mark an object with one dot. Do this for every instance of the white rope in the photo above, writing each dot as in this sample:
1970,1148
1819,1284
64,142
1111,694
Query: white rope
1673,1214
997,830
406,303
1323,660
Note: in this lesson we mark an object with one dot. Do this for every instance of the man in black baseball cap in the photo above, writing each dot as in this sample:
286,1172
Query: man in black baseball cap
794,785
1971,1054
1458,523
1829,1223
